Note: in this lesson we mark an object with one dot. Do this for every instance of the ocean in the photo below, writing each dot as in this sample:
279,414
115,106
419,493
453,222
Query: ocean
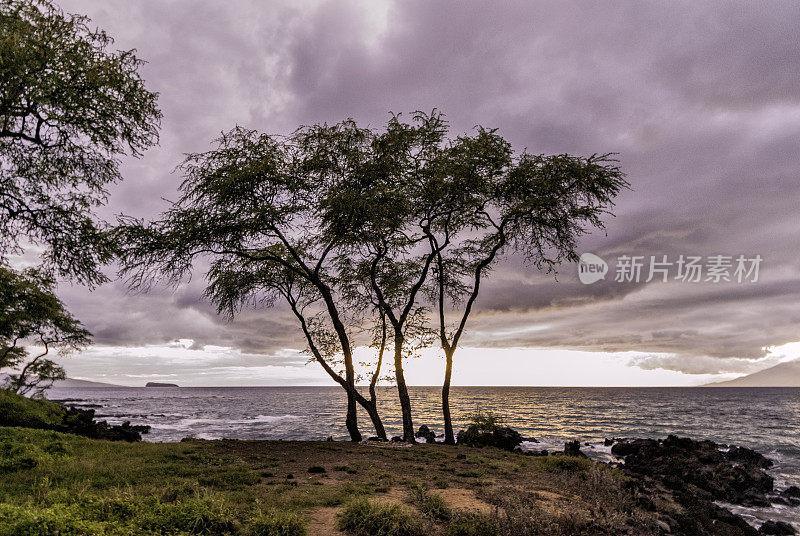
764,419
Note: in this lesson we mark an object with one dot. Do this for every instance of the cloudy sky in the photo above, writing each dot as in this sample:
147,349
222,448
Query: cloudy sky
700,100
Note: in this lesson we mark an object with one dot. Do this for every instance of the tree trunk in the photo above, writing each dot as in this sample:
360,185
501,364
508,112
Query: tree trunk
449,438
352,417
372,410
402,391
352,410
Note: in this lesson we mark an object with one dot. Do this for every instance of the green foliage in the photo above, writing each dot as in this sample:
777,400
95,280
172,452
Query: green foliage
564,464
18,410
373,518
482,422
277,523
486,429
70,105
193,515
29,451
29,311
58,520
431,504
123,516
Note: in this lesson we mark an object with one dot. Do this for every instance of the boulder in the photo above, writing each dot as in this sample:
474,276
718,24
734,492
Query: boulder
778,528
573,448
792,492
748,458
426,433
502,437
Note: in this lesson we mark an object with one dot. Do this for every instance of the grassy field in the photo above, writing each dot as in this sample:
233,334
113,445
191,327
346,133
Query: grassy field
53,483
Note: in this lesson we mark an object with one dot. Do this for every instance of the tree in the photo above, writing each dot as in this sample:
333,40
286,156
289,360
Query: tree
385,234
492,203
70,106
456,207
266,212
31,314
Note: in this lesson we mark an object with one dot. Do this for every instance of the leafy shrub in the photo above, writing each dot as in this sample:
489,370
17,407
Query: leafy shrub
316,469
20,450
365,518
61,520
18,410
431,504
277,524
486,430
122,508
565,464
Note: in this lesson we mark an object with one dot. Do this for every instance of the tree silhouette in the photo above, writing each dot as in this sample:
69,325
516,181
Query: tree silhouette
30,314
69,107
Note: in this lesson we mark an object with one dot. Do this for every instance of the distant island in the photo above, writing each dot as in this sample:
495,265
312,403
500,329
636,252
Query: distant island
782,375
158,384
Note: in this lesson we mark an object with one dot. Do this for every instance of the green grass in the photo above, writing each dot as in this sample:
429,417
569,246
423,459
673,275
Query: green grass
363,517
564,464
17,410
277,524
430,504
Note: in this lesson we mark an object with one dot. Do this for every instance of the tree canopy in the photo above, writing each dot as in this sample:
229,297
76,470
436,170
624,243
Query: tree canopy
70,106
357,229
31,315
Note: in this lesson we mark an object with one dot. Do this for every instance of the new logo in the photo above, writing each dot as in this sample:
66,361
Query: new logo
591,268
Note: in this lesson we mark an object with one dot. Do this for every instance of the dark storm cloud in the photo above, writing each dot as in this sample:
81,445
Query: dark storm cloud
700,100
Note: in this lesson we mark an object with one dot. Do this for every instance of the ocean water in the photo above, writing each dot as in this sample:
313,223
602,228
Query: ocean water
764,419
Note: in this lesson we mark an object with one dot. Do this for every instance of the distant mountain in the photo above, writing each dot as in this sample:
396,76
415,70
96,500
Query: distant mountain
71,382
782,375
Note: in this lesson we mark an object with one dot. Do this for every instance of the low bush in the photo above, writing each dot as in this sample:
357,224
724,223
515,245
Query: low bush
564,464
486,430
18,410
431,504
366,518
60,520
199,515
20,450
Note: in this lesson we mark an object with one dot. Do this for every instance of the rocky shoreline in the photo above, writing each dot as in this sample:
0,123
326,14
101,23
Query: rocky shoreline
687,481
689,484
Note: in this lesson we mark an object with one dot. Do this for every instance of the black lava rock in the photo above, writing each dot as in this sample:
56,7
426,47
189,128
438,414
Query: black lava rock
778,528
573,448
425,433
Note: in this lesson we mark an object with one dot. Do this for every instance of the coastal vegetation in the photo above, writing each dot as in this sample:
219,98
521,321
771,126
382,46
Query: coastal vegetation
18,410
60,482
